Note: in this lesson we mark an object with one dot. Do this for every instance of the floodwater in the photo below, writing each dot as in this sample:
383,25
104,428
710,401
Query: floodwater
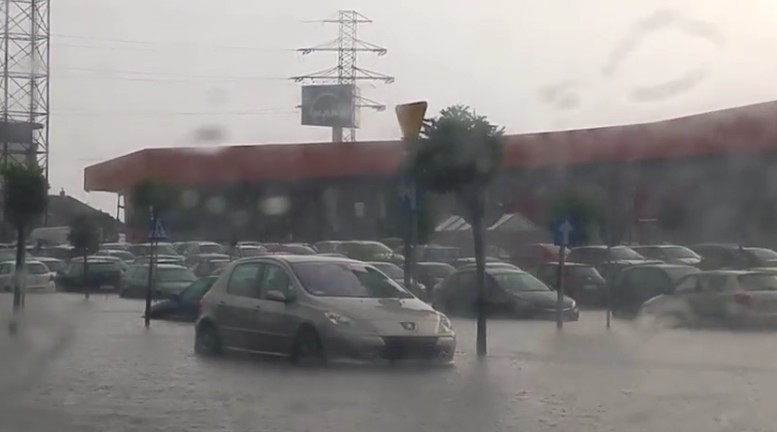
91,366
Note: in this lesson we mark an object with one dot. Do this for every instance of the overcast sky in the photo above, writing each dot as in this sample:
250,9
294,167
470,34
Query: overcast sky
151,73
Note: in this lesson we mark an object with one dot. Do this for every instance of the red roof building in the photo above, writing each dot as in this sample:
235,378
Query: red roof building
638,152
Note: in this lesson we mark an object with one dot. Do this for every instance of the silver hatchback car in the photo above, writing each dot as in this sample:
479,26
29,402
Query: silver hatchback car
311,307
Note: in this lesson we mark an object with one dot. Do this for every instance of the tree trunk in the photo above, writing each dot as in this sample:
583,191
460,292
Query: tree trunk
18,293
476,204
86,276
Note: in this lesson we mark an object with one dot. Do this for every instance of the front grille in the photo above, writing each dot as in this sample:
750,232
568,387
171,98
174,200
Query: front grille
407,347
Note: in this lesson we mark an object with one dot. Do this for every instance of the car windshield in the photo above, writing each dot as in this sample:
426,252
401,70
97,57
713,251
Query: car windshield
344,279
390,270
679,252
677,273
54,266
519,282
758,282
763,253
175,275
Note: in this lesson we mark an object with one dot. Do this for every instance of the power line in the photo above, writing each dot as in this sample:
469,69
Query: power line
177,44
254,112
115,72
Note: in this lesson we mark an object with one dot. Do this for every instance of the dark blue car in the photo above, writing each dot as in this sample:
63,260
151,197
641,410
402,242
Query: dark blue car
184,306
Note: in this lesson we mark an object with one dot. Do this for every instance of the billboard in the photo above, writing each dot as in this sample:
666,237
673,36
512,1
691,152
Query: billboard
329,105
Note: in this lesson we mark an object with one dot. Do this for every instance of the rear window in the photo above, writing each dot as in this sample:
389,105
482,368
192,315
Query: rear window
439,271
175,275
587,254
758,282
210,248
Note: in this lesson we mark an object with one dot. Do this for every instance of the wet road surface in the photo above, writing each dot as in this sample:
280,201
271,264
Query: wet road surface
91,366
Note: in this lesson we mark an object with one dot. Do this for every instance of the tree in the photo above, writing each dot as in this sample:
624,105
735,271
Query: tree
25,194
583,205
85,238
460,152
150,199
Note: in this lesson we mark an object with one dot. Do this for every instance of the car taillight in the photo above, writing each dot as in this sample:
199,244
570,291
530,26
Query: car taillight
743,298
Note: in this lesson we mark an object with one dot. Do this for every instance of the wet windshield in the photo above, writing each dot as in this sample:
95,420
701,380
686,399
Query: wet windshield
347,280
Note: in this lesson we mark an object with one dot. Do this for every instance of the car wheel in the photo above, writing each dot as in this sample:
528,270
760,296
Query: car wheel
308,348
207,341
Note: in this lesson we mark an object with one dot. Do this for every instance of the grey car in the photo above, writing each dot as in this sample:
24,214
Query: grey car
314,308
723,296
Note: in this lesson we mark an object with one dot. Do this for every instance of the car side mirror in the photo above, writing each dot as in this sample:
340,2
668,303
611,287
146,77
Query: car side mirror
278,296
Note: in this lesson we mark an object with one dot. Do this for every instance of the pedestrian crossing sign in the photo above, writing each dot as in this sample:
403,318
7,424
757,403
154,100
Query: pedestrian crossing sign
157,231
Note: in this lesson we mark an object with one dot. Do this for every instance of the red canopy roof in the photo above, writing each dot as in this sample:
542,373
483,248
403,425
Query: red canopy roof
738,130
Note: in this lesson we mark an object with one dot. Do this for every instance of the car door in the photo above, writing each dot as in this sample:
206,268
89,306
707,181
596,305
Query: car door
237,307
713,297
277,320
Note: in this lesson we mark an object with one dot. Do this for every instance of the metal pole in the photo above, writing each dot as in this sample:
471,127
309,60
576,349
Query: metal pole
562,255
149,287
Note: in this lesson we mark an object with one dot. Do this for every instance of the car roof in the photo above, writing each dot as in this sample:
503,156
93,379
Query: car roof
730,272
379,263
433,264
291,258
657,246
163,265
566,263
659,265
209,255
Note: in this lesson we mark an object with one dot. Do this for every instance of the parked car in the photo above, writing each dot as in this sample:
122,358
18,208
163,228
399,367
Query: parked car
721,296
530,255
432,273
290,248
143,249
53,264
608,266
184,306
461,262
730,256
636,285
169,280
103,274
63,252
204,264
160,259
397,274
369,251
582,282
115,246
670,254
327,246
124,255
441,254
200,247
313,307
38,276
247,250
509,292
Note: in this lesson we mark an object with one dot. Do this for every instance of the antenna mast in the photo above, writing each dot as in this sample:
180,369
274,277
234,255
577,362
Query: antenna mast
347,46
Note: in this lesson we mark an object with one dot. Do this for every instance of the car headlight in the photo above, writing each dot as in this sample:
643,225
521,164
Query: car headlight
444,325
574,304
338,319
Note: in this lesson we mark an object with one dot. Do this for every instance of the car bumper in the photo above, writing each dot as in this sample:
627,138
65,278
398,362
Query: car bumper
371,348
569,314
